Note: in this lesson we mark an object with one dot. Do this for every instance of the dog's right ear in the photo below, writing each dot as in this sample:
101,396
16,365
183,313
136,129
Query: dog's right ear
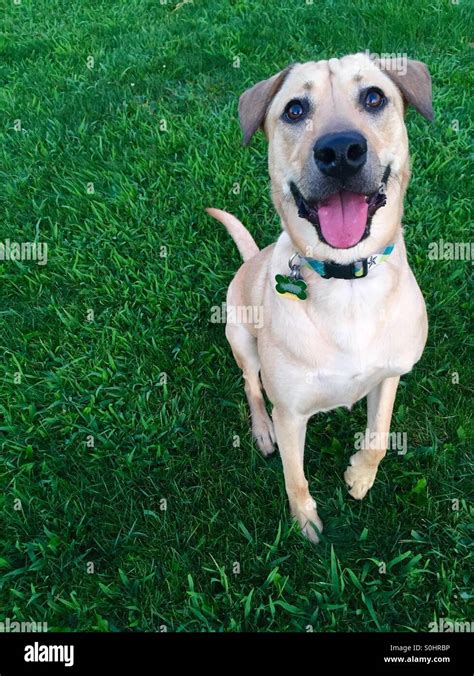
254,103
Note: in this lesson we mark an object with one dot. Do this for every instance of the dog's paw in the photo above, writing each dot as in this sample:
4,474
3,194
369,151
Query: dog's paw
308,519
359,477
264,435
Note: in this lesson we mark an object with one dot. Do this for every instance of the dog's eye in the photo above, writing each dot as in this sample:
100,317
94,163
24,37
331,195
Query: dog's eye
294,111
374,99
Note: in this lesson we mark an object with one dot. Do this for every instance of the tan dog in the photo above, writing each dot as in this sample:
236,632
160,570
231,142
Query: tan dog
347,319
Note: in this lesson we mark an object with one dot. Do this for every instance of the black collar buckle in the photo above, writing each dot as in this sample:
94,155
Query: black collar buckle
349,271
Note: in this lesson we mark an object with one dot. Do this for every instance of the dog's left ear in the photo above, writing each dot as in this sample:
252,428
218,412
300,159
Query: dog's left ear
415,86
254,103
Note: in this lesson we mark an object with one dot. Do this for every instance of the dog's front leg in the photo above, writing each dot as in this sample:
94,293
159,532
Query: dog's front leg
290,430
360,474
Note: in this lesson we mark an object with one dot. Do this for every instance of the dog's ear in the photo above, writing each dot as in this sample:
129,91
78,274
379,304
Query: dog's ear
415,86
254,103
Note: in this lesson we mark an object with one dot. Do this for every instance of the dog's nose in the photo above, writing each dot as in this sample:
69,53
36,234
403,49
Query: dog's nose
342,154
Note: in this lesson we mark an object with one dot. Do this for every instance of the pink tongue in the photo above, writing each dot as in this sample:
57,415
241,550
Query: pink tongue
343,217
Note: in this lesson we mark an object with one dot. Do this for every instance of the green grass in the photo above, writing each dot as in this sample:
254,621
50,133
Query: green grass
173,441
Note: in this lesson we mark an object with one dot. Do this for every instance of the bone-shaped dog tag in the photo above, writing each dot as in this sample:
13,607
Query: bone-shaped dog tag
291,287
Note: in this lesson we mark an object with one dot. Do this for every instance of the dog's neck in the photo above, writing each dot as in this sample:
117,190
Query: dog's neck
285,250
381,236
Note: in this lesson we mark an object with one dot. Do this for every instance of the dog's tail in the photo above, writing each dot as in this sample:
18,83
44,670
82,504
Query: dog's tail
237,230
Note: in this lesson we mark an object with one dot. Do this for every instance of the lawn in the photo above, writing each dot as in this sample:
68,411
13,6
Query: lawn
132,496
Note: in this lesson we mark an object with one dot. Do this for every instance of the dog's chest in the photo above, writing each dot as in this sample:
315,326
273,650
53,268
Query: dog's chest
343,346
354,359
351,359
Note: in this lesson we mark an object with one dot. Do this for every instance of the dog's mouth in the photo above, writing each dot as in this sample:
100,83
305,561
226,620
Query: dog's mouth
342,219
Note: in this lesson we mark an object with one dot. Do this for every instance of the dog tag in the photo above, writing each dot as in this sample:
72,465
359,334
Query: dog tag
291,287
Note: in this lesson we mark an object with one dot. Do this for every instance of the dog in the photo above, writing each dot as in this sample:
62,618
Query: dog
343,316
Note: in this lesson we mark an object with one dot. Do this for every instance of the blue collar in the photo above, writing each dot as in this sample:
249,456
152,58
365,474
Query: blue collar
354,270
293,285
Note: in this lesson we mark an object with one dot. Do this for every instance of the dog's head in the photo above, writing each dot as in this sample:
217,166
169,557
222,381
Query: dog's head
338,149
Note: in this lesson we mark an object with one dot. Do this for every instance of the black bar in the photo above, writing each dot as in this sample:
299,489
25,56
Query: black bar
154,652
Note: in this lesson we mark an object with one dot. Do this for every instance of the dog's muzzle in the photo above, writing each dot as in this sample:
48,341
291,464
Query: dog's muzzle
343,219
